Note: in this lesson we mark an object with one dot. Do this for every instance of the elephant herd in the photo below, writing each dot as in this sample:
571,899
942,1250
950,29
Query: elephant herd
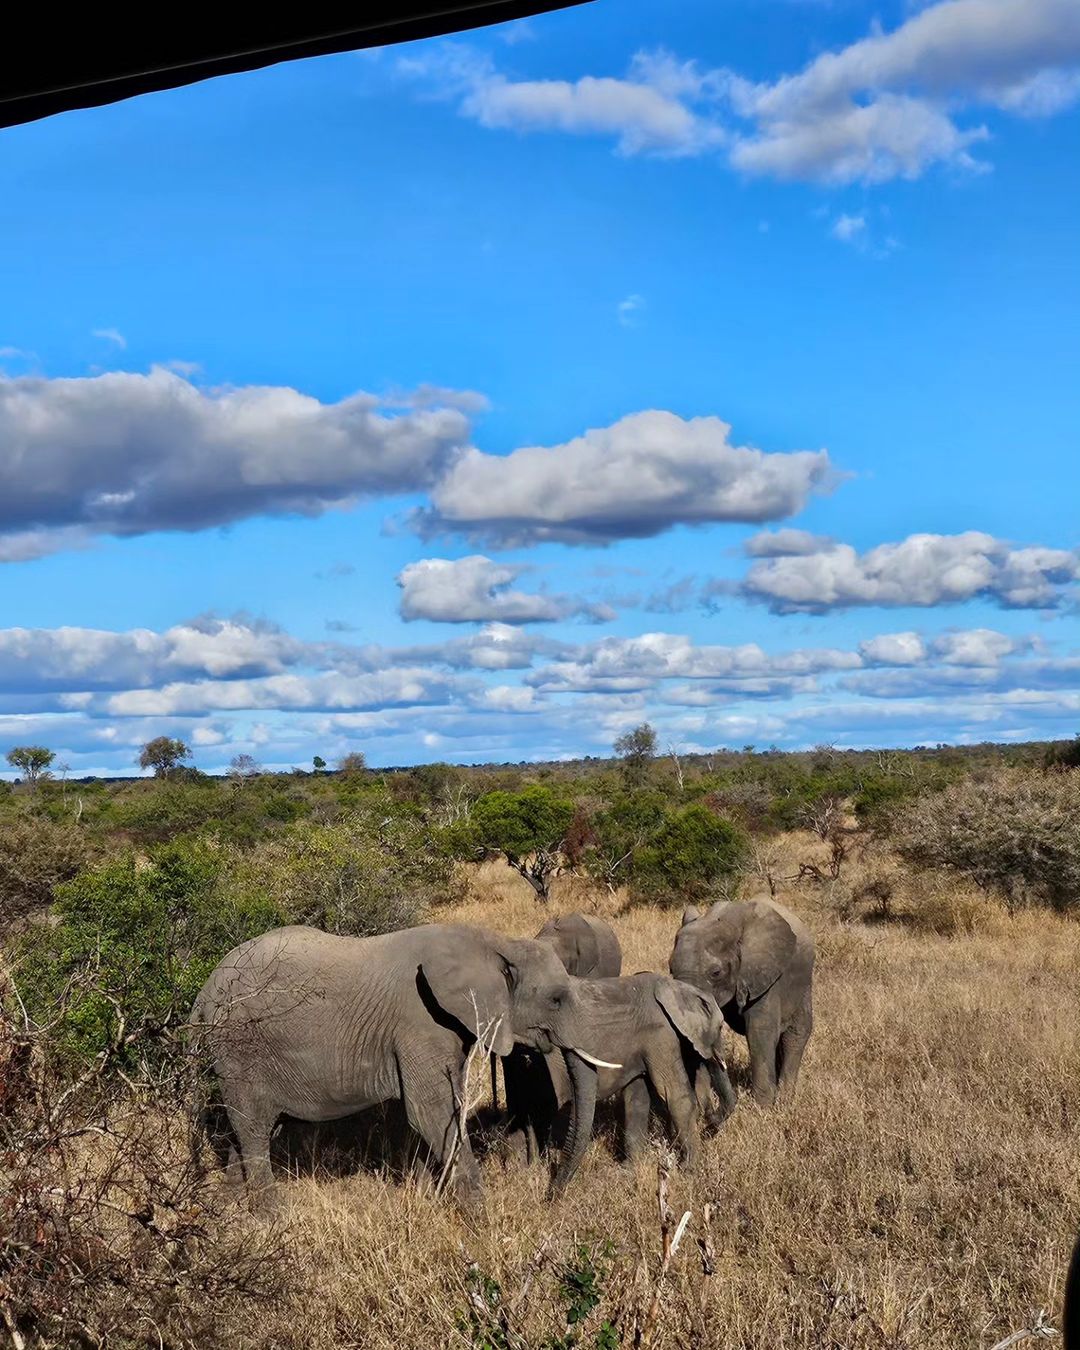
316,1027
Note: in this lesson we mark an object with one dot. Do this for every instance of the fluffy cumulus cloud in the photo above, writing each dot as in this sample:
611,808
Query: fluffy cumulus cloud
894,649
477,589
615,664
227,685
921,570
125,453
642,475
655,109
45,659
889,105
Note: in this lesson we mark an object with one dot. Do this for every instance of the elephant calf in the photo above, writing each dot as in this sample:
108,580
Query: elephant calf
756,959
658,1031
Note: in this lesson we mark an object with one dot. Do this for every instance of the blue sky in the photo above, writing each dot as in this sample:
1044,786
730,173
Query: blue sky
479,398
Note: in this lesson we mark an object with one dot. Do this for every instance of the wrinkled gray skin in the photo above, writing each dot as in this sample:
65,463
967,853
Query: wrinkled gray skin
586,945
303,1023
756,958
657,1030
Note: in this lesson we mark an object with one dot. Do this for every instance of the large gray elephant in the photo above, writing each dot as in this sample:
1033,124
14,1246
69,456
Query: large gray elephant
756,958
658,1031
316,1027
587,946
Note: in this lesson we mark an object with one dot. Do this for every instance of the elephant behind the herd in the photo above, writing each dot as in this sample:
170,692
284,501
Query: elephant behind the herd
303,1023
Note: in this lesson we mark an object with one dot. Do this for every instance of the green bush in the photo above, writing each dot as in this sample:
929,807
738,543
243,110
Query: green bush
133,940
371,872
693,854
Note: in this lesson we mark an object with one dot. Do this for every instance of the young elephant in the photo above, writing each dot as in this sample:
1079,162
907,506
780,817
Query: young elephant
756,958
658,1031
302,1023
587,946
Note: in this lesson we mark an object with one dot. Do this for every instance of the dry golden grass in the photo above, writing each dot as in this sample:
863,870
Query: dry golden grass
923,1191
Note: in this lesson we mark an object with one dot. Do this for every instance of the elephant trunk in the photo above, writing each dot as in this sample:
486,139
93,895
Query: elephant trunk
582,1111
721,1083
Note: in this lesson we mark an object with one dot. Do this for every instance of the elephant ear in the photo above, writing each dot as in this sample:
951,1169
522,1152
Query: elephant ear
476,992
694,1015
689,914
765,948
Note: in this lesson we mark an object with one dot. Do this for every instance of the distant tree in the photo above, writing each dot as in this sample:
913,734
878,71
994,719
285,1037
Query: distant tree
352,763
636,749
318,763
32,761
243,767
163,754
528,828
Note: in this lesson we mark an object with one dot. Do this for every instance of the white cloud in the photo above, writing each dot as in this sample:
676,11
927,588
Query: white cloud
79,659
624,664
112,335
847,228
894,649
629,310
476,589
127,453
643,474
648,112
377,689
885,106
921,570
975,647
786,543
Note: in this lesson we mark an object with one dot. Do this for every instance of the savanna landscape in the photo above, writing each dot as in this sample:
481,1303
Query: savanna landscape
921,1190
540,677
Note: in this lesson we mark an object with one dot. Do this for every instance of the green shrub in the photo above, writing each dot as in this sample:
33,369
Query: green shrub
371,872
1015,833
133,940
693,854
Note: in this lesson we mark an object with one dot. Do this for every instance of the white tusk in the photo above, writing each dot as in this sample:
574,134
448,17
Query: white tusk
591,1059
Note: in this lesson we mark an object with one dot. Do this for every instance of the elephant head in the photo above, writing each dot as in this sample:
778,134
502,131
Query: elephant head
694,1015
517,991
736,951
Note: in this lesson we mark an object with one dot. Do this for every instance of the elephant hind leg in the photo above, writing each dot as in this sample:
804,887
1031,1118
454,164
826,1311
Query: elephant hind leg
251,1120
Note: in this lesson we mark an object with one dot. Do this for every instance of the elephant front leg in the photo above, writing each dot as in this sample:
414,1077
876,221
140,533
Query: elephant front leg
635,1120
789,1053
433,1108
762,1038
680,1097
